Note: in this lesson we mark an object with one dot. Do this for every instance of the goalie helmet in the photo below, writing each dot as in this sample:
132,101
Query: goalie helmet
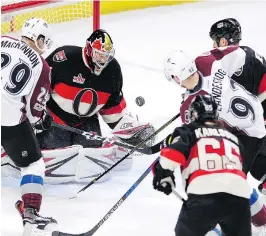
178,67
202,108
229,29
35,29
99,50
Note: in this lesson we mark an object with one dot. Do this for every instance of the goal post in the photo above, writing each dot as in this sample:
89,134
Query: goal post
16,12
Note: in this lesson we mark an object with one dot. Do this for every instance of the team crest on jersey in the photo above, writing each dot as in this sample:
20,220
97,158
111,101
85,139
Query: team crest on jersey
60,56
79,79
239,71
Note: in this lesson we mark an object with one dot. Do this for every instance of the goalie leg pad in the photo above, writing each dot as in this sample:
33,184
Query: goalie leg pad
71,164
93,162
61,164
120,152
8,167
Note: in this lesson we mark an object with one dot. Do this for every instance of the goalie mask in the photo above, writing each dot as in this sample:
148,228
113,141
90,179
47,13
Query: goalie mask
99,50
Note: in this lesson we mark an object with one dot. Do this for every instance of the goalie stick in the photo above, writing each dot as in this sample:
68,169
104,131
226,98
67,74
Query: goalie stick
112,210
93,136
128,154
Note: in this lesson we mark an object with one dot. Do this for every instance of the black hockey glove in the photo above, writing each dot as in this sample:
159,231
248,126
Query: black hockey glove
163,180
44,123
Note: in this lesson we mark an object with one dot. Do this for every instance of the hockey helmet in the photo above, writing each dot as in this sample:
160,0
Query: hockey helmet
36,28
178,67
202,108
99,49
228,28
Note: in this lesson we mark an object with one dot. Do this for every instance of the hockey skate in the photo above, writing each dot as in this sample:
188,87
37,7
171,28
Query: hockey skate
34,224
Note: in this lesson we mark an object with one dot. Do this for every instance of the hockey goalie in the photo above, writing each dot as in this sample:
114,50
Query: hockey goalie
86,83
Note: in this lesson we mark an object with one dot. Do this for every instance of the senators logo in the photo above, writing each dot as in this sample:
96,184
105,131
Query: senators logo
60,56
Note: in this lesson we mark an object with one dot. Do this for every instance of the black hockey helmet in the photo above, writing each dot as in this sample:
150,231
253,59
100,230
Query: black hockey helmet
229,28
99,49
202,108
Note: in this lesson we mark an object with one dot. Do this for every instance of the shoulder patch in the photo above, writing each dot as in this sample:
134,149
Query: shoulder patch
60,56
239,71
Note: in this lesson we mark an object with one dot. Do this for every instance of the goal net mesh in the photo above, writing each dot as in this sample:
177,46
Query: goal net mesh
16,12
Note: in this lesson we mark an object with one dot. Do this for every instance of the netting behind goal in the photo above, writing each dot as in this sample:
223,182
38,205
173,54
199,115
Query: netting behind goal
16,12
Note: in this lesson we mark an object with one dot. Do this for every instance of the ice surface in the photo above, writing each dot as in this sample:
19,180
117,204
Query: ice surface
142,39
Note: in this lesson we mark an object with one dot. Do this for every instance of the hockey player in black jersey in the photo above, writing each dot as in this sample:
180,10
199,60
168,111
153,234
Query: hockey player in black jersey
87,83
207,74
250,72
209,158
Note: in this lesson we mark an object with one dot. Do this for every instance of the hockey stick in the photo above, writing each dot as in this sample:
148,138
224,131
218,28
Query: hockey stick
113,209
93,136
128,154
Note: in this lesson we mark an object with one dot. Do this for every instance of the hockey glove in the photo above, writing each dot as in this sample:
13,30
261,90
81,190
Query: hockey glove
44,123
133,132
163,180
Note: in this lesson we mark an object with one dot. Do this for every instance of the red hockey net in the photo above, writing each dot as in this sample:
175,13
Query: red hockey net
16,12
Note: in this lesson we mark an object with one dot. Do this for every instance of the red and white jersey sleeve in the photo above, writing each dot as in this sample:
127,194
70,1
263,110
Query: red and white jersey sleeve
115,111
25,83
210,160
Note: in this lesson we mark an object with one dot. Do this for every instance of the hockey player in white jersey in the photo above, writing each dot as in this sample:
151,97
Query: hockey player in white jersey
240,111
246,67
24,91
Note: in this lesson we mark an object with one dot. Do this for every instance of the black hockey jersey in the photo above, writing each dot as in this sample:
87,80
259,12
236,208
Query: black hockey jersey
78,94
252,74
210,159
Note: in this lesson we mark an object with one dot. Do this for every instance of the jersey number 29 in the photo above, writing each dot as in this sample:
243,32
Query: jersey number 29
19,74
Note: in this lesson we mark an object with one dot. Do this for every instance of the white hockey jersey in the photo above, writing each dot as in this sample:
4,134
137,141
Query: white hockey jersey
237,107
25,83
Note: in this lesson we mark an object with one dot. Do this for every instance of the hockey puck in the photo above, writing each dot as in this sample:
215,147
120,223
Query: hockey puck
140,101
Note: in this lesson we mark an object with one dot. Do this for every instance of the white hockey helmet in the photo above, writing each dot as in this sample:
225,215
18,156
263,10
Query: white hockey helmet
178,66
36,27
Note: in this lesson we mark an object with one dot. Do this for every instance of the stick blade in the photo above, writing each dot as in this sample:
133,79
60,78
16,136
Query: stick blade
58,233
71,198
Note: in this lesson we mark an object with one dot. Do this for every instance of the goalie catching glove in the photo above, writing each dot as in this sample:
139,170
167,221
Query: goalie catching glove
131,131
